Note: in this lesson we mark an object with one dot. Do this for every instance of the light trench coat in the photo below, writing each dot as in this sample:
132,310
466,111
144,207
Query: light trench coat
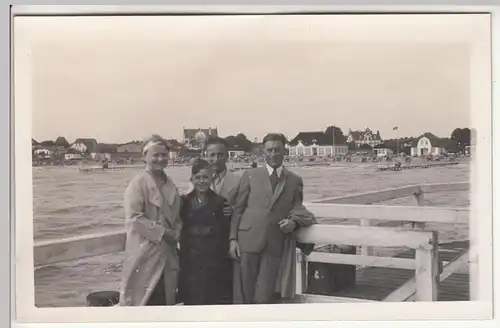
285,282
151,214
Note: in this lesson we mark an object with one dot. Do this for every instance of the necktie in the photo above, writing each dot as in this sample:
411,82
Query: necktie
215,182
274,179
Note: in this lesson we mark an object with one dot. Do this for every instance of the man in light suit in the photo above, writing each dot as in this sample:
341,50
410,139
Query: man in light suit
262,219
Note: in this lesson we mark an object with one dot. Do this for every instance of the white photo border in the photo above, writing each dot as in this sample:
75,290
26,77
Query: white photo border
481,120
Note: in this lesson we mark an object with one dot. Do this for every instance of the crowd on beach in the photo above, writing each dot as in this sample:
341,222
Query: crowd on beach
230,239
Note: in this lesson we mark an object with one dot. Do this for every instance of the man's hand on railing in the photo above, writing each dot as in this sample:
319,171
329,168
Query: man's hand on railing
287,225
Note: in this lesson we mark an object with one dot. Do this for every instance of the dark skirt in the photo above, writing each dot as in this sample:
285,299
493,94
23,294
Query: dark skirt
207,285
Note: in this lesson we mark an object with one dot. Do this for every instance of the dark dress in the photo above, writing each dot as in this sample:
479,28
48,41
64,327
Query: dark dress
206,268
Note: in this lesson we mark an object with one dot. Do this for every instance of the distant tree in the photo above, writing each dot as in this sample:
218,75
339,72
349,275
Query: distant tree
449,145
365,147
351,145
340,138
239,140
62,142
462,138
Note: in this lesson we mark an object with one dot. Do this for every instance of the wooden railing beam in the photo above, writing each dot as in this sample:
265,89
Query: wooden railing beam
368,261
374,236
393,193
74,248
331,212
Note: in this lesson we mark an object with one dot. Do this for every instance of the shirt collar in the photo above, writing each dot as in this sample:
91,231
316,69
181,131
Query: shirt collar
278,170
220,175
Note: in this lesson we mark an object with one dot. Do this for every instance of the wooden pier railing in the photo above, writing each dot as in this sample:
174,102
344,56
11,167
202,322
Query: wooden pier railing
422,287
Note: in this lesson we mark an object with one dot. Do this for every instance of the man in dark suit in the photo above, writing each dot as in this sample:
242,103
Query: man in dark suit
262,219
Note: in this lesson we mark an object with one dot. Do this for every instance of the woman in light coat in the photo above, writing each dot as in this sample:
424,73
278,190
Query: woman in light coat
152,205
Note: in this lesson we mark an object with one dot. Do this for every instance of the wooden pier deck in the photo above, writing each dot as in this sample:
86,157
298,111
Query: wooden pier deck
414,166
376,284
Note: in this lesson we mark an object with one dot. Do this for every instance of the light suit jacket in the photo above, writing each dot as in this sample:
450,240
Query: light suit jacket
257,212
229,188
151,214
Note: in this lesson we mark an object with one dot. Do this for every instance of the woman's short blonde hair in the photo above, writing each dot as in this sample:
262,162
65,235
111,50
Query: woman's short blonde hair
155,138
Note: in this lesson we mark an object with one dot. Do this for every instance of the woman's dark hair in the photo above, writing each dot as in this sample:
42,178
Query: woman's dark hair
198,165
275,137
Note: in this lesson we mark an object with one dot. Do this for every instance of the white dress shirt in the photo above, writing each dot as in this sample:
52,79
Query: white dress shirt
278,170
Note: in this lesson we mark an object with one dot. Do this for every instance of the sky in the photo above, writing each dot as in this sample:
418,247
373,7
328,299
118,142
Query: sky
119,79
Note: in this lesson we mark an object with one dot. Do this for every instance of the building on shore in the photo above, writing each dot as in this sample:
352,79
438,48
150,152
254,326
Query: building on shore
84,145
195,139
175,148
427,144
382,150
235,151
130,147
72,155
366,137
315,144
128,151
104,152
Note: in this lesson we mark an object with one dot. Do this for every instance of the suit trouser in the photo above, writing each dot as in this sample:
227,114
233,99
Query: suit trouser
259,272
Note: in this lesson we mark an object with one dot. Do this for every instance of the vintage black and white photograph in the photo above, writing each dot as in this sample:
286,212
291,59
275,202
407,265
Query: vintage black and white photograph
185,163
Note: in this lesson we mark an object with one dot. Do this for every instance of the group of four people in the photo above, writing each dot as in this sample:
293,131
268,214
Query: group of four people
229,240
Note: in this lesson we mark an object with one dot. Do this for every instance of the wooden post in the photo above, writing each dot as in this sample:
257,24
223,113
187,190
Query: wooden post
427,271
419,197
365,250
300,273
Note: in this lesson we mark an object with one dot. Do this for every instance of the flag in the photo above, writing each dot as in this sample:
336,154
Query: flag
395,128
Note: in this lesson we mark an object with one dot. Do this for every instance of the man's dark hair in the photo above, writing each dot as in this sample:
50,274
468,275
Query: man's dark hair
275,137
216,141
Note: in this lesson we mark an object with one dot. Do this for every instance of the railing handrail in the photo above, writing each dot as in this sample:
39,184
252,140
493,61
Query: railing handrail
372,236
73,248
376,196
390,212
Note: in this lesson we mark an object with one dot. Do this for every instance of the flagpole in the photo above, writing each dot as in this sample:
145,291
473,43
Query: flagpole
397,139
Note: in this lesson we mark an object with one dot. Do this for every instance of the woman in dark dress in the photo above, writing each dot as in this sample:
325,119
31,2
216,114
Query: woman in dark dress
206,268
